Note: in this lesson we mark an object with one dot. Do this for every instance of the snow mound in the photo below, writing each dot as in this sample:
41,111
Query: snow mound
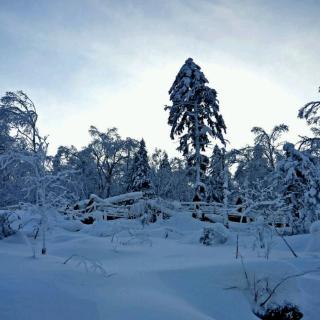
315,228
314,242
71,225
217,234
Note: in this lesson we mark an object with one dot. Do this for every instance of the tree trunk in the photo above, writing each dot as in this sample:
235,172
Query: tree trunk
197,145
225,196
108,187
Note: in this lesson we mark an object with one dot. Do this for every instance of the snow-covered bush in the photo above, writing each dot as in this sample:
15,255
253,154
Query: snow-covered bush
138,209
9,224
141,209
207,237
150,210
217,234
268,292
299,184
263,237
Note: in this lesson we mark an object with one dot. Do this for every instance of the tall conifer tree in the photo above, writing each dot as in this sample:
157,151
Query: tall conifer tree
194,117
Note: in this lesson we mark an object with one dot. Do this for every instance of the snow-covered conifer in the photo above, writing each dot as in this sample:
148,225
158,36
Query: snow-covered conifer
194,117
216,175
299,184
161,174
180,188
140,171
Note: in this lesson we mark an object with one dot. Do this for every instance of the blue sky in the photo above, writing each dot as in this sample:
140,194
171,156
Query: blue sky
111,63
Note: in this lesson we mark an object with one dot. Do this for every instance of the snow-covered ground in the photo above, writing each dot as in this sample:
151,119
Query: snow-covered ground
121,270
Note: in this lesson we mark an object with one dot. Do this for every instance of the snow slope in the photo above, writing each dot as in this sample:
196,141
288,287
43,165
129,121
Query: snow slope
159,271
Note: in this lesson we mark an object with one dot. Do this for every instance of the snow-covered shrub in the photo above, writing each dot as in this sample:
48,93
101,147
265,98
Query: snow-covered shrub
149,211
268,293
299,184
263,234
138,209
284,312
207,237
9,224
217,234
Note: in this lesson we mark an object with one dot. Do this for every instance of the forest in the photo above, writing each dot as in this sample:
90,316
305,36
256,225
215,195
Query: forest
115,231
273,178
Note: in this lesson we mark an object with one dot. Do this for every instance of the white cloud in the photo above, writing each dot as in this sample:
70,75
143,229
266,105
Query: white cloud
108,63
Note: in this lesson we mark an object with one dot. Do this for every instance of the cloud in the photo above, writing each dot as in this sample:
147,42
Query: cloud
110,63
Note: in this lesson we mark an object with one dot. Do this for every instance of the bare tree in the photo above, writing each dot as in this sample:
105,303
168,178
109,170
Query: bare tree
20,113
110,153
269,141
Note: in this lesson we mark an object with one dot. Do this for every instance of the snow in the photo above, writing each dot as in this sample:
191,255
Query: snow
314,242
315,228
120,198
151,271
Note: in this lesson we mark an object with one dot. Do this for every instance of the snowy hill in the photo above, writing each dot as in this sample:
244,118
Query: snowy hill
122,270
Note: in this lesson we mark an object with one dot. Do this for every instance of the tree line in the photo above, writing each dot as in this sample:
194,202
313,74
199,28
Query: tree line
269,178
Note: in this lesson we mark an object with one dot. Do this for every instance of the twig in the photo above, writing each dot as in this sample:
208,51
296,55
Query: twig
89,265
245,272
237,250
287,244
271,293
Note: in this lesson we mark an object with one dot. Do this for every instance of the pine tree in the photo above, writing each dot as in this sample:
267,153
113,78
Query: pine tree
161,174
140,171
164,163
216,172
194,117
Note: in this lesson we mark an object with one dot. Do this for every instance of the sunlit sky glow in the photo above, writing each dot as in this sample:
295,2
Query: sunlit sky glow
111,63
